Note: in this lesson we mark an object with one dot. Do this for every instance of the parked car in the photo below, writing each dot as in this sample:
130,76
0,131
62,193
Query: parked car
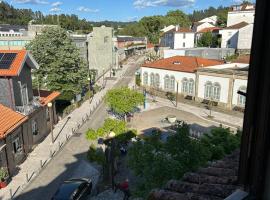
73,189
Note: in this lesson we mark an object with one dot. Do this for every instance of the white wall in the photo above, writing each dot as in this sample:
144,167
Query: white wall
237,84
188,40
173,52
213,19
224,83
162,73
236,17
203,26
245,37
229,34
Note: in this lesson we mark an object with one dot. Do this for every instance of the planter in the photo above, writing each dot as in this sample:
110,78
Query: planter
171,119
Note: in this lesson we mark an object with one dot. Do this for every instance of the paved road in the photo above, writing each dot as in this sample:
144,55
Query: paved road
65,162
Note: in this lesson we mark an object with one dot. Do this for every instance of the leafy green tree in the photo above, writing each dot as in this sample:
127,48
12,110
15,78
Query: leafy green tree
205,40
61,67
123,100
177,17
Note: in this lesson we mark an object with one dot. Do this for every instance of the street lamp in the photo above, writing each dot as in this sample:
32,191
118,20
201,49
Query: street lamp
89,80
111,138
51,119
176,98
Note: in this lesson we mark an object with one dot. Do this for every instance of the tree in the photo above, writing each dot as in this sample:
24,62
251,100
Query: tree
123,100
61,67
208,40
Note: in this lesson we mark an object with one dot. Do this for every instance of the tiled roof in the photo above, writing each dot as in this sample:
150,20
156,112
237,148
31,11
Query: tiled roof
181,30
215,182
9,120
182,63
237,26
16,64
209,29
46,96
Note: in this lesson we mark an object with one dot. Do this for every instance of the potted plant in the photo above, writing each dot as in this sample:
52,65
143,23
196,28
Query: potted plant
3,177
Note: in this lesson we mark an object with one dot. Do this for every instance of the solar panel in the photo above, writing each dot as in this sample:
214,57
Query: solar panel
6,60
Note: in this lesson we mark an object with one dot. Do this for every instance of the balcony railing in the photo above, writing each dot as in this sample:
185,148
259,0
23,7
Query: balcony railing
30,107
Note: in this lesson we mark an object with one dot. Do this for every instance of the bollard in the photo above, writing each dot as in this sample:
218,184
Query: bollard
51,154
10,193
27,177
67,137
59,143
41,164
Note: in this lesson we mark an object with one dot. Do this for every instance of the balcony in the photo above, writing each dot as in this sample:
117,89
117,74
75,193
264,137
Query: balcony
30,107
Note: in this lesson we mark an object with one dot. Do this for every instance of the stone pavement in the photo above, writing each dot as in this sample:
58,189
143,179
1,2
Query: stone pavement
226,120
44,152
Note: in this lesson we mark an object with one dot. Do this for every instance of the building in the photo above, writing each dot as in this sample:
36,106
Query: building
212,19
178,38
102,54
80,40
199,79
198,26
36,29
7,30
25,117
241,13
203,52
237,36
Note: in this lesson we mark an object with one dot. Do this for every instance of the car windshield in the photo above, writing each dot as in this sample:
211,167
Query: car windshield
67,190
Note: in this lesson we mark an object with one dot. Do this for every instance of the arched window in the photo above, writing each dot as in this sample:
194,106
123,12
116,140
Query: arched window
157,81
167,82
145,78
152,80
208,90
216,91
172,83
241,98
185,85
191,86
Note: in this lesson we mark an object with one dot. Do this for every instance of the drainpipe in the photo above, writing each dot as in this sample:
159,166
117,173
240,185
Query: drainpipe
12,102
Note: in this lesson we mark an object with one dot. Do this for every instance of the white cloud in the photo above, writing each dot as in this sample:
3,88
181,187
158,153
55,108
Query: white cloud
169,3
31,1
84,9
55,9
56,4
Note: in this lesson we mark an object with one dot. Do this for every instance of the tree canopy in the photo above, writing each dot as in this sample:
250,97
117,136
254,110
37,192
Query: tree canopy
123,100
208,40
61,67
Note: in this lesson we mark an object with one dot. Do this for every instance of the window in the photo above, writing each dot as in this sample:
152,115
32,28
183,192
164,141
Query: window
152,81
157,81
184,35
172,83
191,87
17,146
167,82
185,85
145,78
241,98
34,127
24,94
208,90
184,44
216,91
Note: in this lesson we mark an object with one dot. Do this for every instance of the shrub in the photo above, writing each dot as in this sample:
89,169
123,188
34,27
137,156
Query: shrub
96,155
3,173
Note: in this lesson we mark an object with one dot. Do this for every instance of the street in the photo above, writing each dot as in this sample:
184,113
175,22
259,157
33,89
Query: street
66,161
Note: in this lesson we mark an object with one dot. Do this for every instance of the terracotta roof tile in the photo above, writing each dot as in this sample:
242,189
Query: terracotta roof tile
16,64
9,120
237,26
181,30
209,29
46,96
182,63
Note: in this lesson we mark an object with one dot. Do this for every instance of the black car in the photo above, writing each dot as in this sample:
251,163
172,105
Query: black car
73,189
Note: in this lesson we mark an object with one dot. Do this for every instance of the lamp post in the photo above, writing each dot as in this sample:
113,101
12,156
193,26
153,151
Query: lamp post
89,80
51,119
176,98
111,137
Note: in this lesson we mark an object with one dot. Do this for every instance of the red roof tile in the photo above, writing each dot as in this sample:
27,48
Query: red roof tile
16,64
237,26
46,96
181,30
9,120
182,63
209,29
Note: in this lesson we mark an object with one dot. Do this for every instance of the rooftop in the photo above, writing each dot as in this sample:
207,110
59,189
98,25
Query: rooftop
9,120
237,26
11,62
209,29
182,63
46,96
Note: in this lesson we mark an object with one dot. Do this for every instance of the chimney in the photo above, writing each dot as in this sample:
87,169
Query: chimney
177,27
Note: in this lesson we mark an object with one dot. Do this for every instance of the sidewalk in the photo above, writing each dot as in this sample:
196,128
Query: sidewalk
218,117
44,152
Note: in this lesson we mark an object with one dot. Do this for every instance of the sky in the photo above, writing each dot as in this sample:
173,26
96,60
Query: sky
116,10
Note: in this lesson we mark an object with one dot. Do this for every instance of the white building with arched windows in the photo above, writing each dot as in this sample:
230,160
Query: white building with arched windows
201,79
